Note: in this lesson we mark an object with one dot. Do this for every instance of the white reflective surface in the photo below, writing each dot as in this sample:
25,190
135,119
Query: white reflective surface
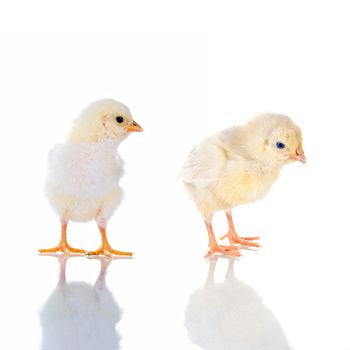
181,87
80,315
176,302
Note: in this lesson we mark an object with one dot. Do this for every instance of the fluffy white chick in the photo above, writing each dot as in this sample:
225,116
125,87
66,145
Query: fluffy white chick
238,166
84,173
78,315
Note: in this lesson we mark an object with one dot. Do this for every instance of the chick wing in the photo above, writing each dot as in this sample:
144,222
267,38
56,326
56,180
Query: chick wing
203,164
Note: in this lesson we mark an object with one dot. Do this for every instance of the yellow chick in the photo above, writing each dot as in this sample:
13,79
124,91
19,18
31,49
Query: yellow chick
237,166
84,173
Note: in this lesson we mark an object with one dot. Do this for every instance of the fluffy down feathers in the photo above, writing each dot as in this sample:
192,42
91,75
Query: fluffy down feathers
83,179
240,164
84,173
199,168
96,122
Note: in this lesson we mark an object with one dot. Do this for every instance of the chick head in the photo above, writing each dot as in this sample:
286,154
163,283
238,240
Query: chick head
274,139
103,119
283,139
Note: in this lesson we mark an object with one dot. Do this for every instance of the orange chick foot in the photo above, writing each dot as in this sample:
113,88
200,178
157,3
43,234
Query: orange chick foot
224,250
63,248
246,241
108,251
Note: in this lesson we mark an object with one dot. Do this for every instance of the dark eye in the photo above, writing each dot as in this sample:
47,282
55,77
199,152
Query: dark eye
280,145
119,119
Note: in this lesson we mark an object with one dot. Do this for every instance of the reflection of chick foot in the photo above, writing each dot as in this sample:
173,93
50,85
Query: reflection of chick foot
246,241
108,251
105,248
64,248
221,249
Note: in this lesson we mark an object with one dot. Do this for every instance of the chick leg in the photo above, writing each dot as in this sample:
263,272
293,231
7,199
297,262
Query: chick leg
214,247
105,248
63,246
234,238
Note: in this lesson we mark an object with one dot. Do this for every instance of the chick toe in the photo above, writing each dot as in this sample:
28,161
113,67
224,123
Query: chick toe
108,251
224,250
246,241
63,248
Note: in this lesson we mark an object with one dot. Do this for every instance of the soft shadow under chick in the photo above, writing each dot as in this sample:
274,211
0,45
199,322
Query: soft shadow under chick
231,316
80,316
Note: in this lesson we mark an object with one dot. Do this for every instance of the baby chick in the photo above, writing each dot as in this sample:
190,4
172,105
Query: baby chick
239,165
84,173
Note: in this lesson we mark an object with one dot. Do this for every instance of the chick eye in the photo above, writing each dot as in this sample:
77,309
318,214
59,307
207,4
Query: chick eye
119,119
280,145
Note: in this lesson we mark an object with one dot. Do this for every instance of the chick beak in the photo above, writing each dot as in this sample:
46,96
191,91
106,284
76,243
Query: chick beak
134,127
299,155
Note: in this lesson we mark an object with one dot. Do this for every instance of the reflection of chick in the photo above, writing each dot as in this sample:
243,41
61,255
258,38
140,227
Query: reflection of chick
79,316
237,166
84,172
231,315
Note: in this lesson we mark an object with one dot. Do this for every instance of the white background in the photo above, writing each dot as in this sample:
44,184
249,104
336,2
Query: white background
186,70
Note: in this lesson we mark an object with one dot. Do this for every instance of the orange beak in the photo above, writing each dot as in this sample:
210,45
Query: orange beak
299,156
134,127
